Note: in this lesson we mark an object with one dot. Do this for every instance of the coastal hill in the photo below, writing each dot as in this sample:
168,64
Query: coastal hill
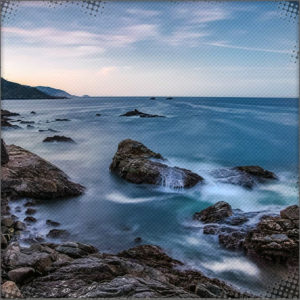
12,90
54,92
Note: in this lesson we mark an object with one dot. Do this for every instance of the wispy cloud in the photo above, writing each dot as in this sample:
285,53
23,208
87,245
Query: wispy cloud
143,12
225,45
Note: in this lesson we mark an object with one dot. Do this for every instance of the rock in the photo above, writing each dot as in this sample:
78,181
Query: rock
76,250
28,175
215,213
140,114
98,115
10,290
30,211
6,113
30,126
26,122
58,233
33,112
49,130
20,225
58,138
21,275
3,241
5,123
152,98
133,162
276,238
30,219
4,154
52,223
138,240
144,271
245,176
169,98
233,240
291,213
30,203
62,120
7,222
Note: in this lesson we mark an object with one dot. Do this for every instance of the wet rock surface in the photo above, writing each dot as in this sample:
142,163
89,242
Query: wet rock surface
215,213
4,153
58,138
134,162
140,114
276,238
78,270
28,175
5,117
245,176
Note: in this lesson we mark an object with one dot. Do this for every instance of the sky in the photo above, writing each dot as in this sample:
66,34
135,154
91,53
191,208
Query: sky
153,48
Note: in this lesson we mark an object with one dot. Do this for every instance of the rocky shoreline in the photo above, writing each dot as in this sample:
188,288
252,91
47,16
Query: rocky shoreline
73,269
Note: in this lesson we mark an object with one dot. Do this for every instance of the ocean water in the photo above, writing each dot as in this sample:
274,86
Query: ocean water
200,134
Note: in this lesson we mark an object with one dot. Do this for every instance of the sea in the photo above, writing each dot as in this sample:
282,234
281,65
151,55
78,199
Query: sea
200,134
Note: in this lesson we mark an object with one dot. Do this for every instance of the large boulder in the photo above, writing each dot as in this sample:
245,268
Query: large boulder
4,154
20,275
215,213
245,176
28,175
276,238
137,164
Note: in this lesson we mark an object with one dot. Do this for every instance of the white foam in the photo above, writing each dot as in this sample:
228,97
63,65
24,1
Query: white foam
121,198
233,264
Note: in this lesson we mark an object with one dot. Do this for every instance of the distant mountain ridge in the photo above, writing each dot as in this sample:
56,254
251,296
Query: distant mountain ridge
13,90
54,92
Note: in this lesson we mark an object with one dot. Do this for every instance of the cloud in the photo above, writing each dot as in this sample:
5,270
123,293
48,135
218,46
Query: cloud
269,15
104,71
225,45
143,12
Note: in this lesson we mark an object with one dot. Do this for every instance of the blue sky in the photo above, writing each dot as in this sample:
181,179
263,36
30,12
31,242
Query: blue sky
153,48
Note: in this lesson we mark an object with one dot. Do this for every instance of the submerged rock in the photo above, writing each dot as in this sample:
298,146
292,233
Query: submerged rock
140,114
245,176
52,223
215,213
133,162
58,138
58,233
61,120
28,175
49,130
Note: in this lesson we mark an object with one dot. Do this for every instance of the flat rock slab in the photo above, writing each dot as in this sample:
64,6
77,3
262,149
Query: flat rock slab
28,175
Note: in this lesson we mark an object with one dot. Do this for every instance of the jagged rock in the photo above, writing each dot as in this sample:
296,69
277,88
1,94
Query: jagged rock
7,113
5,123
10,290
215,213
19,225
140,114
52,223
245,176
144,271
58,138
276,238
58,233
4,154
21,275
28,175
133,162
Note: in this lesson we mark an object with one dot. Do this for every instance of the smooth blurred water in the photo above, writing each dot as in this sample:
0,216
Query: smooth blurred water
200,134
